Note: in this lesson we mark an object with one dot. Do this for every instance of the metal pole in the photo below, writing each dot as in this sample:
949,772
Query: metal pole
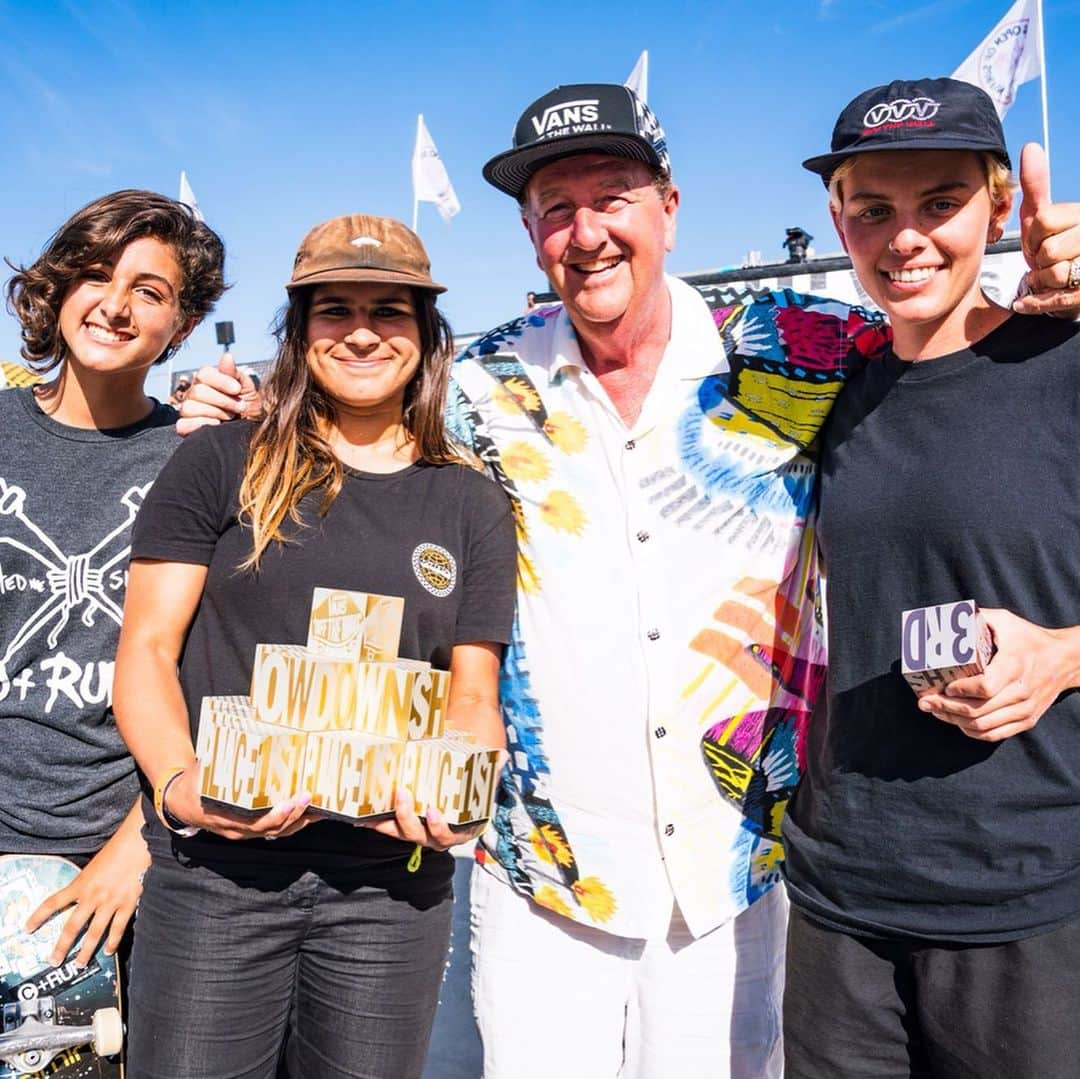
1045,114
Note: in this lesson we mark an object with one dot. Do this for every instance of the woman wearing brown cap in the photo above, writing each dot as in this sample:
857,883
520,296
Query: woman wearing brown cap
333,939
933,848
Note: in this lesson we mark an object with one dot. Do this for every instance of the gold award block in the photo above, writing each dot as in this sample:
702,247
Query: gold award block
389,695
480,780
350,774
344,720
448,774
355,625
295,687
431,694
245,763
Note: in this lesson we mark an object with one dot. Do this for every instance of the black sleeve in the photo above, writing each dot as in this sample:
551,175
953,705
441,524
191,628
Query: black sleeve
489,577
193,500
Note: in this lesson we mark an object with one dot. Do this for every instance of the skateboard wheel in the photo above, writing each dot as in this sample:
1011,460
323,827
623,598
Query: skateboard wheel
108,1032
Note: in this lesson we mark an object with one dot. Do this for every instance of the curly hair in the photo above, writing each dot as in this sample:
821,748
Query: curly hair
95,234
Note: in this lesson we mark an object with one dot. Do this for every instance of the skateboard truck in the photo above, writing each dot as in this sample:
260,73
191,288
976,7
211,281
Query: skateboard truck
32,1036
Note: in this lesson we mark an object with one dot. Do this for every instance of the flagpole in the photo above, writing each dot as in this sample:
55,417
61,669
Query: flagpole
1045,114
416,145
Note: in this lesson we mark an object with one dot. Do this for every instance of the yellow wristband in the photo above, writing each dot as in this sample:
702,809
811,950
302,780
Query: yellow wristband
160,787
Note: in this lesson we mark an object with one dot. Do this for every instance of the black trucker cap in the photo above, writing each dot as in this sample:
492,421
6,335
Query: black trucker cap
924,114
602,118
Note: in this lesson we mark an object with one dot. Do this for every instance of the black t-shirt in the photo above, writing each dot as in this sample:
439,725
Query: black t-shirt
371,540
948,479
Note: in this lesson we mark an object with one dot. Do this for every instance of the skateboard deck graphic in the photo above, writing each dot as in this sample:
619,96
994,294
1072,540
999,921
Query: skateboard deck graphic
58,1022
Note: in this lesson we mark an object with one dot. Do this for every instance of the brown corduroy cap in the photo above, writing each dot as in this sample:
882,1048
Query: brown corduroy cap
360,247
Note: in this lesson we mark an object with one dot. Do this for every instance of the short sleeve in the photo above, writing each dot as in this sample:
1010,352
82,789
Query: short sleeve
461,417
489,577
193,500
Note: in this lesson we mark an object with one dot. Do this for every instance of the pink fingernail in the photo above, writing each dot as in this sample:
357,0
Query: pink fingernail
434,816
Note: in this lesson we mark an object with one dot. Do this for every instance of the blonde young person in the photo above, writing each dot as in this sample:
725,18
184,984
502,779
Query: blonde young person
327,939
933,848
115,291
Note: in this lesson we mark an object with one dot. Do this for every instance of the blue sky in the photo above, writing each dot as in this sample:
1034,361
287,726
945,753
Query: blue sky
285,114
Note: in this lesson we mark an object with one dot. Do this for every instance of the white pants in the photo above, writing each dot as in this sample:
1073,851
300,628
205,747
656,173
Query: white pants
558,999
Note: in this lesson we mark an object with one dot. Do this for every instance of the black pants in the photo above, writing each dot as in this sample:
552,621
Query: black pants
235,952
861,1008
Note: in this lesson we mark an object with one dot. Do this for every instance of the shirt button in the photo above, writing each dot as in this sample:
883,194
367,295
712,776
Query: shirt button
630,445
660,732
669,830
653,635
642,536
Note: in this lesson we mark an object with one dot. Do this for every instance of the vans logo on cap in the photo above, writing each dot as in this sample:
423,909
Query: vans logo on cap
365,241
579,116
901,111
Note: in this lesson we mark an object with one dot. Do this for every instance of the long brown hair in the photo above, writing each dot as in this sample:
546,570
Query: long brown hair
288,457
95,234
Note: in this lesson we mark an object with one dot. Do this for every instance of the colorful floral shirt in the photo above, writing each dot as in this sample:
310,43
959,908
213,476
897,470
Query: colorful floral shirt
668,645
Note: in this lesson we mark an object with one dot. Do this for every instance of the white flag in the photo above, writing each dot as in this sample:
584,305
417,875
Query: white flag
187,197
638,79
430,181
1008,56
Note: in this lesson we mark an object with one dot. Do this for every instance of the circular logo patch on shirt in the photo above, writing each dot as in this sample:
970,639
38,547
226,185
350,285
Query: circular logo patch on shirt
435,568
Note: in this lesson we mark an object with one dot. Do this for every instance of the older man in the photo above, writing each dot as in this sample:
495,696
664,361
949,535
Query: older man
668,646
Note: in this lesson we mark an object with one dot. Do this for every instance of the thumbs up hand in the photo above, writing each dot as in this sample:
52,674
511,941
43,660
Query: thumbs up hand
217,394
249,397
1050,237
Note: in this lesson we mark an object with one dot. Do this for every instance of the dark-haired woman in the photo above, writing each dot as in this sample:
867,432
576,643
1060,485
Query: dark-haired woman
114,292
327,939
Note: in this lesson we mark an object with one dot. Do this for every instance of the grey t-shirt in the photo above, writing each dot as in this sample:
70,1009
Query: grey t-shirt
68,500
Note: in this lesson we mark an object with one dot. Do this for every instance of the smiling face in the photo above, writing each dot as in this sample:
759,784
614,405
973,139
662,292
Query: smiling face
916,224
121,315
601,230
363,345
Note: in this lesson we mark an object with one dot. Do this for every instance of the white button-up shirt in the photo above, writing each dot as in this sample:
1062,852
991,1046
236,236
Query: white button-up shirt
668,646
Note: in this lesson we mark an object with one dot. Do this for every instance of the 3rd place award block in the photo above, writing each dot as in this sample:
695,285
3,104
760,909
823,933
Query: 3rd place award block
345,720
942,643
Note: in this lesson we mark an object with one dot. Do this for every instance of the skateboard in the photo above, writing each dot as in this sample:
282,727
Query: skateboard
59,1022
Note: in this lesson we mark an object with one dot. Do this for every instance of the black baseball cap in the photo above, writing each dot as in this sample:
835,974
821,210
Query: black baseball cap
585,118
924,114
